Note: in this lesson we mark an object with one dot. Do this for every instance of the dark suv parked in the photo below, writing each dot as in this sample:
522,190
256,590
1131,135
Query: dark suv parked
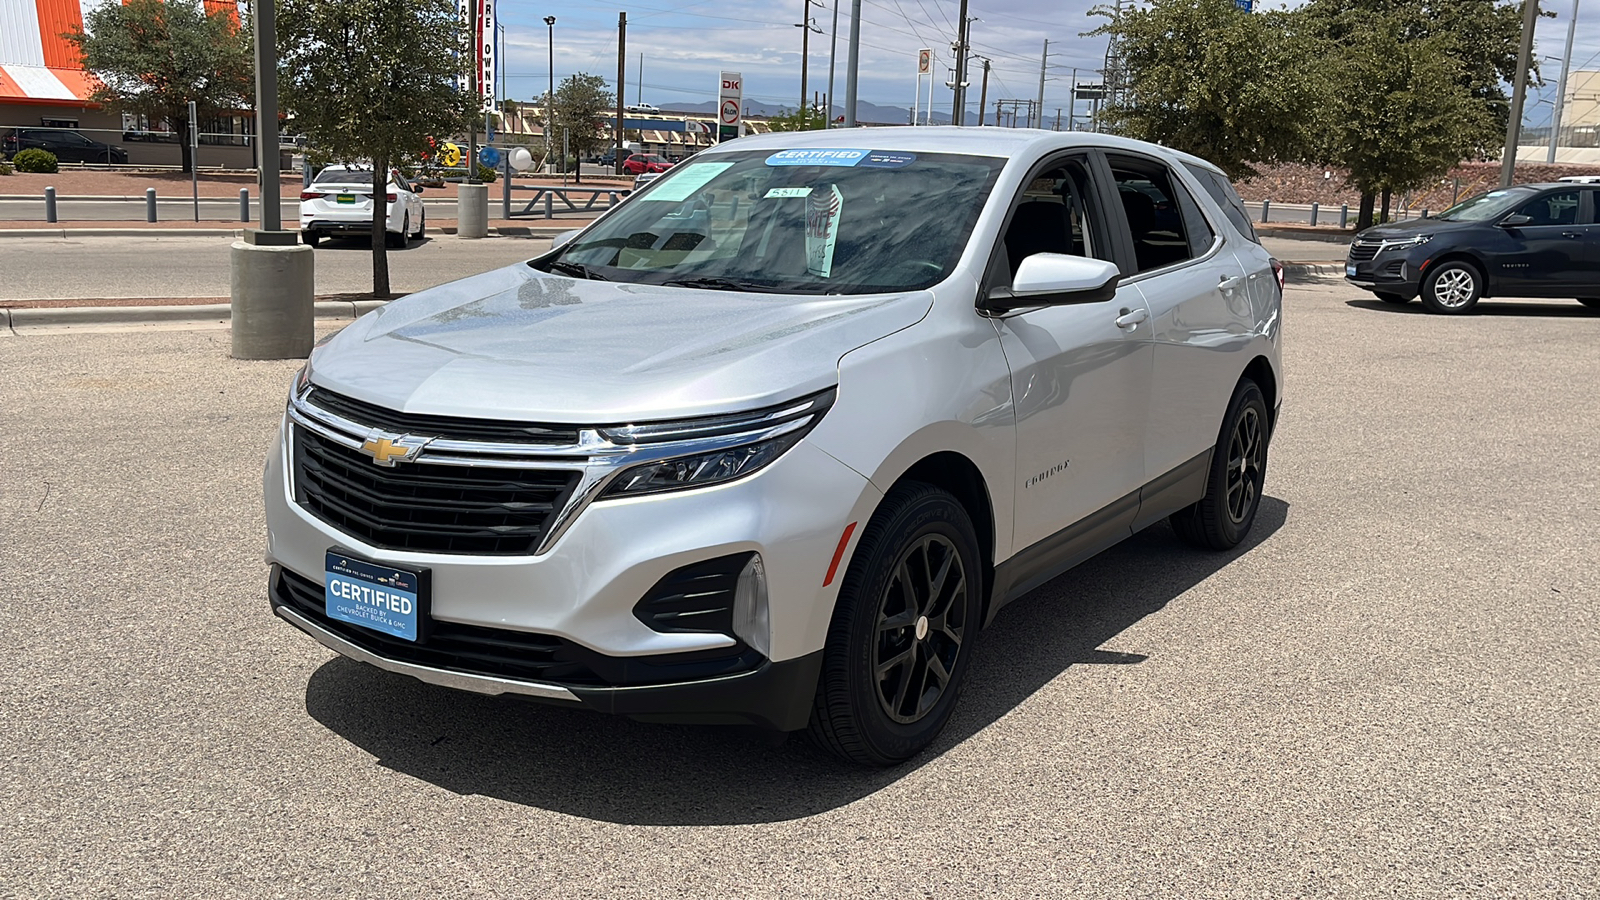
68,146
1532,240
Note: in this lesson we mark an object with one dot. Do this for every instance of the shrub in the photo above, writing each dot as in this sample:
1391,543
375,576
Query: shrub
485,174
35,160
5,167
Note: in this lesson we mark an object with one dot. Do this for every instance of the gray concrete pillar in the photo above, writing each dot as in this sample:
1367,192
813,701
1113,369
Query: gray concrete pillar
472,210
273,297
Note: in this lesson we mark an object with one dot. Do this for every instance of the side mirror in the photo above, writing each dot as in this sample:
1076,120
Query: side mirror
1056,279
1516,221
564,238
417,189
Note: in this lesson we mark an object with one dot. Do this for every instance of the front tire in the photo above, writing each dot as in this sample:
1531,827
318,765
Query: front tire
1452,288
902,631
1222,518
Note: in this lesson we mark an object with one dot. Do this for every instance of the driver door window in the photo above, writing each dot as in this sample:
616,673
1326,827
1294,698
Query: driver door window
1053,215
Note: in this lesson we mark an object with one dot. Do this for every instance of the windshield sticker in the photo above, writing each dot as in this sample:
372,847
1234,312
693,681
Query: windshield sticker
822,228
817,157
681,184
886,159
787,192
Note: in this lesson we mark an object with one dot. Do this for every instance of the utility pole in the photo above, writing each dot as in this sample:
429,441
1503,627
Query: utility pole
638,96
833,51
622,74
1044,61
472,91
983,95
806,28
958,111
1561,89
550,99
1519,93
852,65
266,115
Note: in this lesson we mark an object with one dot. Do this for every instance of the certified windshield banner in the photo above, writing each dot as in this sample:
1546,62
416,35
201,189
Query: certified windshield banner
818,157
822,228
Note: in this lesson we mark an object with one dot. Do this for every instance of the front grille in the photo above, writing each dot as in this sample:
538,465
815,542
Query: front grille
451,427
423,507
503,653
1361,251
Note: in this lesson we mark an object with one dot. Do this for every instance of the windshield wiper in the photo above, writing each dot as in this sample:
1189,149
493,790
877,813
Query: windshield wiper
576,269
725,284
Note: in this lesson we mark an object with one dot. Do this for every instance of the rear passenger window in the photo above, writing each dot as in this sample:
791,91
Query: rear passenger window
1155,218
1227,198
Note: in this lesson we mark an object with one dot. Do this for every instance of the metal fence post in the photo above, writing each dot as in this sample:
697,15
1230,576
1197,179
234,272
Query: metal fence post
149,204
1344,215
505,189
1266,210
244,204
1314,207
1424,212
50,204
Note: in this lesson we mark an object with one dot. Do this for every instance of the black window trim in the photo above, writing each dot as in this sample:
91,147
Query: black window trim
1195,172
1127,232
998,272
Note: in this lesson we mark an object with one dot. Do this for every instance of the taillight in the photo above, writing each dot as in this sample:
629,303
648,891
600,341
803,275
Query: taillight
389,197
310,195
1277,272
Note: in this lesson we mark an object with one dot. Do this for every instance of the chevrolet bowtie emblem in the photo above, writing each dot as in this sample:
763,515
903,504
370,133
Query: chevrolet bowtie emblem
387,451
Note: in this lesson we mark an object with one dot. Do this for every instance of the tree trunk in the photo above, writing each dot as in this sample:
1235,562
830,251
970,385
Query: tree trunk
1383,218
1364,217
185,153
380,232
577,169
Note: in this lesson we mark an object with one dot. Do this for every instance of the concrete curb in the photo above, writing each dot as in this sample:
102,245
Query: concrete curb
55,320
524,231
1302,272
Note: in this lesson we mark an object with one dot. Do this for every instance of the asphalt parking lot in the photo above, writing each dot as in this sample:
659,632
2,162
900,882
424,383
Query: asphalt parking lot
1391,690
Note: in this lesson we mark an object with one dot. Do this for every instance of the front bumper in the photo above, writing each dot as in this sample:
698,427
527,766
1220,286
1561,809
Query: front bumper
1388,273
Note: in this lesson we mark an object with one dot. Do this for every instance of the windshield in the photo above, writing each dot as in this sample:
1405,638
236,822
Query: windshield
1484,207
792,221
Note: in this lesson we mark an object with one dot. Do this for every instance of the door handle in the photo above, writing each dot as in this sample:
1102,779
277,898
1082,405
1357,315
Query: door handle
1130,318
1228,284
1571,234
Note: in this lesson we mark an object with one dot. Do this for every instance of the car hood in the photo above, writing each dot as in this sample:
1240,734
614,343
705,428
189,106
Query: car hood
1411,227
517,343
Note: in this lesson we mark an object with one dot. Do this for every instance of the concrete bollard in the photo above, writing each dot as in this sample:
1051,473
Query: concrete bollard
549,205
1314,207
244,204
1344,215
273,294
1424,212
50,204
1266,210
472,210
149,204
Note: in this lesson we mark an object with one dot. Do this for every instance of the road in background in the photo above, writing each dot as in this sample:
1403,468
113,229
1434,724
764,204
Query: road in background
175,209
1389,691
178,266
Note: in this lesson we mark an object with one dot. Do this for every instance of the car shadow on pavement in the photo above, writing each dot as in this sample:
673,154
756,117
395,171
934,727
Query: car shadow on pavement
1551,309
616,770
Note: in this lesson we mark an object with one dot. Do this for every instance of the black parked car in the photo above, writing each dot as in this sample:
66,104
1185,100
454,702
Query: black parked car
68,146
1532,240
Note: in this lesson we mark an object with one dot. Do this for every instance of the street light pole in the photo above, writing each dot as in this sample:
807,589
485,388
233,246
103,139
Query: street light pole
852,65
1519,93
833,51
1561,88
550,98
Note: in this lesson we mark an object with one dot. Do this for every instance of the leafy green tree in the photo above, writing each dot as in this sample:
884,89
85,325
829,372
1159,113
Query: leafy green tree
580,111
799,120
1415,86
1206,77
369,81
152,57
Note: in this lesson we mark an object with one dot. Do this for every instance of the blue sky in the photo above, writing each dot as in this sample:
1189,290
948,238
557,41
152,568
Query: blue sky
686,42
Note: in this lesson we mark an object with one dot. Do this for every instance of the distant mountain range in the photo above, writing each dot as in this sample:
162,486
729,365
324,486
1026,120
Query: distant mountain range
866,113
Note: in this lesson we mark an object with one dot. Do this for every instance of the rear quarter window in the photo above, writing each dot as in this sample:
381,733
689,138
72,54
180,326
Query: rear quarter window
1227,198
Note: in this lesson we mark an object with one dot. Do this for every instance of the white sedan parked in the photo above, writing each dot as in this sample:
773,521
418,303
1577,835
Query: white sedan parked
339,201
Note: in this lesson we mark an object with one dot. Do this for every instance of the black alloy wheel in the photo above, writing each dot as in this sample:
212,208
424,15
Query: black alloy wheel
903,629
1221,519
921,624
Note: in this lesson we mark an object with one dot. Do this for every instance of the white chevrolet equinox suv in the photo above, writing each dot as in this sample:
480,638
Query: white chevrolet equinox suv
772,441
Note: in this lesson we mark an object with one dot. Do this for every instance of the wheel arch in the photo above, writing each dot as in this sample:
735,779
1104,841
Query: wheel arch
1260,371
1467,257
960,476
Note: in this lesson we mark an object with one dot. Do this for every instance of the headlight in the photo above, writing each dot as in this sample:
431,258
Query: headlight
302,379
735,446
1404,243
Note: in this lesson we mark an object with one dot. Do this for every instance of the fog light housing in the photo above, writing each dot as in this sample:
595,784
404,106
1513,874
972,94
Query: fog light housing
751,620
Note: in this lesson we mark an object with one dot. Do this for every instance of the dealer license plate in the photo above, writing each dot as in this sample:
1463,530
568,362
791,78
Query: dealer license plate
1350,269
377,597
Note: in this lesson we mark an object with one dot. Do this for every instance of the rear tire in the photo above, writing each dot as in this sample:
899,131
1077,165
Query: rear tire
1396,299
397,241
422,226
902,631
1222,518
1452,288
311,238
